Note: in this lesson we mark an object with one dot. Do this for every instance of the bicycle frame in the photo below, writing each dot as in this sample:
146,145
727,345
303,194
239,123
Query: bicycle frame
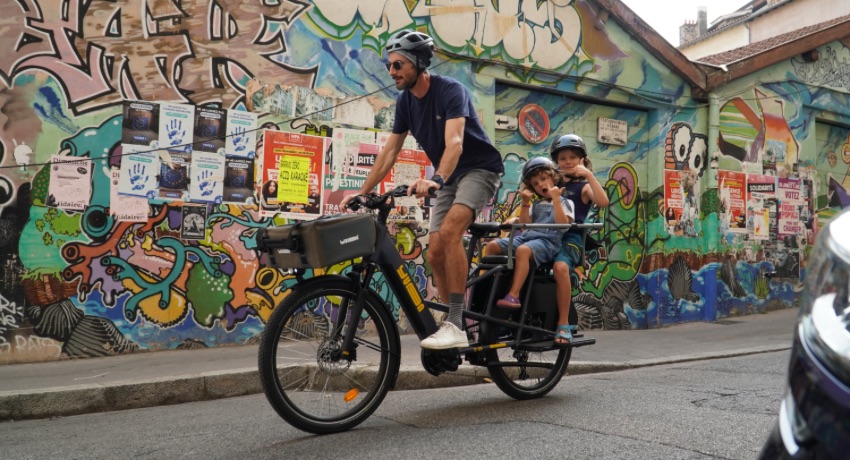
418,310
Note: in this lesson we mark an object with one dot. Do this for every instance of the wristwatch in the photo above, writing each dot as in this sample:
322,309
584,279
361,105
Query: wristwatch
439,180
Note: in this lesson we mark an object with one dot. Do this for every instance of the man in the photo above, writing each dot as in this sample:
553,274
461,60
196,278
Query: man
439,113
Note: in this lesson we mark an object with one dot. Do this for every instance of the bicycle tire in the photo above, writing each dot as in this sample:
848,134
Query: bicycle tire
524,382
313,390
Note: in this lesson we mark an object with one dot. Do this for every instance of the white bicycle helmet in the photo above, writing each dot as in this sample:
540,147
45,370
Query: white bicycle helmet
415,43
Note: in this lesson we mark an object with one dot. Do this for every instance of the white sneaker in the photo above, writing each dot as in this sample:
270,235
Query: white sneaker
448,336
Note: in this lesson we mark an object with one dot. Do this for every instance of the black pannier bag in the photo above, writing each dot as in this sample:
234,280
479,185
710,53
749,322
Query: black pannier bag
319,243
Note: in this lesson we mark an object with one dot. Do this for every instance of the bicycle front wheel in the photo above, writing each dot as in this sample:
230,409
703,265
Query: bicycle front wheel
526,371
304,374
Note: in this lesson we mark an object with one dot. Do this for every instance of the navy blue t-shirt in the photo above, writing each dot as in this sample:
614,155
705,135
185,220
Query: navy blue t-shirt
426,120
572,190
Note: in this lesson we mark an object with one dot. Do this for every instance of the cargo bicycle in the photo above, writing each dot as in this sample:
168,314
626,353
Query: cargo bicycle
330,351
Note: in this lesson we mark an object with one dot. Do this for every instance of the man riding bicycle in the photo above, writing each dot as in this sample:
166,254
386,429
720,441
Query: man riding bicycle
439,113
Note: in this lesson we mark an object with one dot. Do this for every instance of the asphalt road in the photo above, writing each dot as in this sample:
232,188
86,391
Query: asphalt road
720,408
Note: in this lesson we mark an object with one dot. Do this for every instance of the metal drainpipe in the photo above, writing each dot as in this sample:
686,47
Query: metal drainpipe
712,240
713,135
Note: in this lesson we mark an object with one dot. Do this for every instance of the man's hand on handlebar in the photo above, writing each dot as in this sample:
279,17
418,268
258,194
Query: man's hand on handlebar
423,188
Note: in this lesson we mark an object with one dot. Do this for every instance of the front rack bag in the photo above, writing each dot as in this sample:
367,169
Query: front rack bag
319,243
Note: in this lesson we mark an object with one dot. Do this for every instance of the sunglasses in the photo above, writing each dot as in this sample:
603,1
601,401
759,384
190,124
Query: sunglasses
395,65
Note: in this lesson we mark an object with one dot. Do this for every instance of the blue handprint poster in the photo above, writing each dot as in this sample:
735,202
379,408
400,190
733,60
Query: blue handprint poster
241,134
139,170
207,182
176,122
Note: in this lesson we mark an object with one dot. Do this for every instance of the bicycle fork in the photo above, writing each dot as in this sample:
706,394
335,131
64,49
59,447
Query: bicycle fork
351,314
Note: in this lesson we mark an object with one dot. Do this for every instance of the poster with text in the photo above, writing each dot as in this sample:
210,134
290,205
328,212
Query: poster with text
309,151
358,164
732,190
176,122
174,174
207,184
124,208
210,126
410,166
343,158
139,171
789,194
238,180
70,183
760,189
241,138
140,124
673,199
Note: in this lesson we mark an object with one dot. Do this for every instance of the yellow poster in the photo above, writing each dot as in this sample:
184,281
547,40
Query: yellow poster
293,179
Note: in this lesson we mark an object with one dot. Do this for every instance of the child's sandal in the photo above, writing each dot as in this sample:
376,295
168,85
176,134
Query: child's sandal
563,335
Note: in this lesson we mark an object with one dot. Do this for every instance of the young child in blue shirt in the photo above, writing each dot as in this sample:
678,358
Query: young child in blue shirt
539,177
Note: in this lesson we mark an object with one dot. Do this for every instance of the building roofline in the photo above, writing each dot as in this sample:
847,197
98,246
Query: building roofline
717,75
653,42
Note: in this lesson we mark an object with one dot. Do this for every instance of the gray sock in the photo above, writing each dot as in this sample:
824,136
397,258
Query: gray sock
456,309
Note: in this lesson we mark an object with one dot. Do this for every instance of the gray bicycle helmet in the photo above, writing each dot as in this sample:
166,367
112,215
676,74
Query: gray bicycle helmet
533,166
415,43
567,141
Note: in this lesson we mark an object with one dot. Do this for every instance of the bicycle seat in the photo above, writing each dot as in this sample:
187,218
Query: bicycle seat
480,229
495,260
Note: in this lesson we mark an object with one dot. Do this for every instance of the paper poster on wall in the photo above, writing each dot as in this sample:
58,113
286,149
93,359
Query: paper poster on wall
276,146
124,208
194,222
207,184
761,223
176,122
673,199
410,166
241,138
358,163
760,189
732,190
276,99
355,111
174,173
343,157
140,123
70,183
139,170
681,208
789,194
210,127
238,180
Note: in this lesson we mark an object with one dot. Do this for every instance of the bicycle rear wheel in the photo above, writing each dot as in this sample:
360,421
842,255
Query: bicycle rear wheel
305,377
526,371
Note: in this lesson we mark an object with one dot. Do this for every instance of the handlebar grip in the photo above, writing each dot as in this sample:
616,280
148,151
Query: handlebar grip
355,203
432,192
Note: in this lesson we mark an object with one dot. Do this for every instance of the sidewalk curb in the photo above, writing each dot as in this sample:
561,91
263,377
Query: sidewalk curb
91,398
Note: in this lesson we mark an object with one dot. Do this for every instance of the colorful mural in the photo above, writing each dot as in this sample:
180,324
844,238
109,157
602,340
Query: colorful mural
83,284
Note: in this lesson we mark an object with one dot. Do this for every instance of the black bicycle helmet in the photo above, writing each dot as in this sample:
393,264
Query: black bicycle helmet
567,141
415,43
533,166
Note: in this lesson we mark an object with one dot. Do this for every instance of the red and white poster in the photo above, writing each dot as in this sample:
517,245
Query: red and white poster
674,198
732,190
295,149
788,192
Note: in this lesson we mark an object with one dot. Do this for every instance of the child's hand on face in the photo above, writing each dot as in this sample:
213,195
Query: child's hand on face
579,171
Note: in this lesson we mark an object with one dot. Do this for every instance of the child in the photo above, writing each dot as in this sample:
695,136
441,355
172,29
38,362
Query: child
539,177
570,154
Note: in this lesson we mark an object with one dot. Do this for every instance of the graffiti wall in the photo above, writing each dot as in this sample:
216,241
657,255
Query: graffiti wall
82,283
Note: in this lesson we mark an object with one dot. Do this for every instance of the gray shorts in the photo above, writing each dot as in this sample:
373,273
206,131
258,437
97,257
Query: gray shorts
473,190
